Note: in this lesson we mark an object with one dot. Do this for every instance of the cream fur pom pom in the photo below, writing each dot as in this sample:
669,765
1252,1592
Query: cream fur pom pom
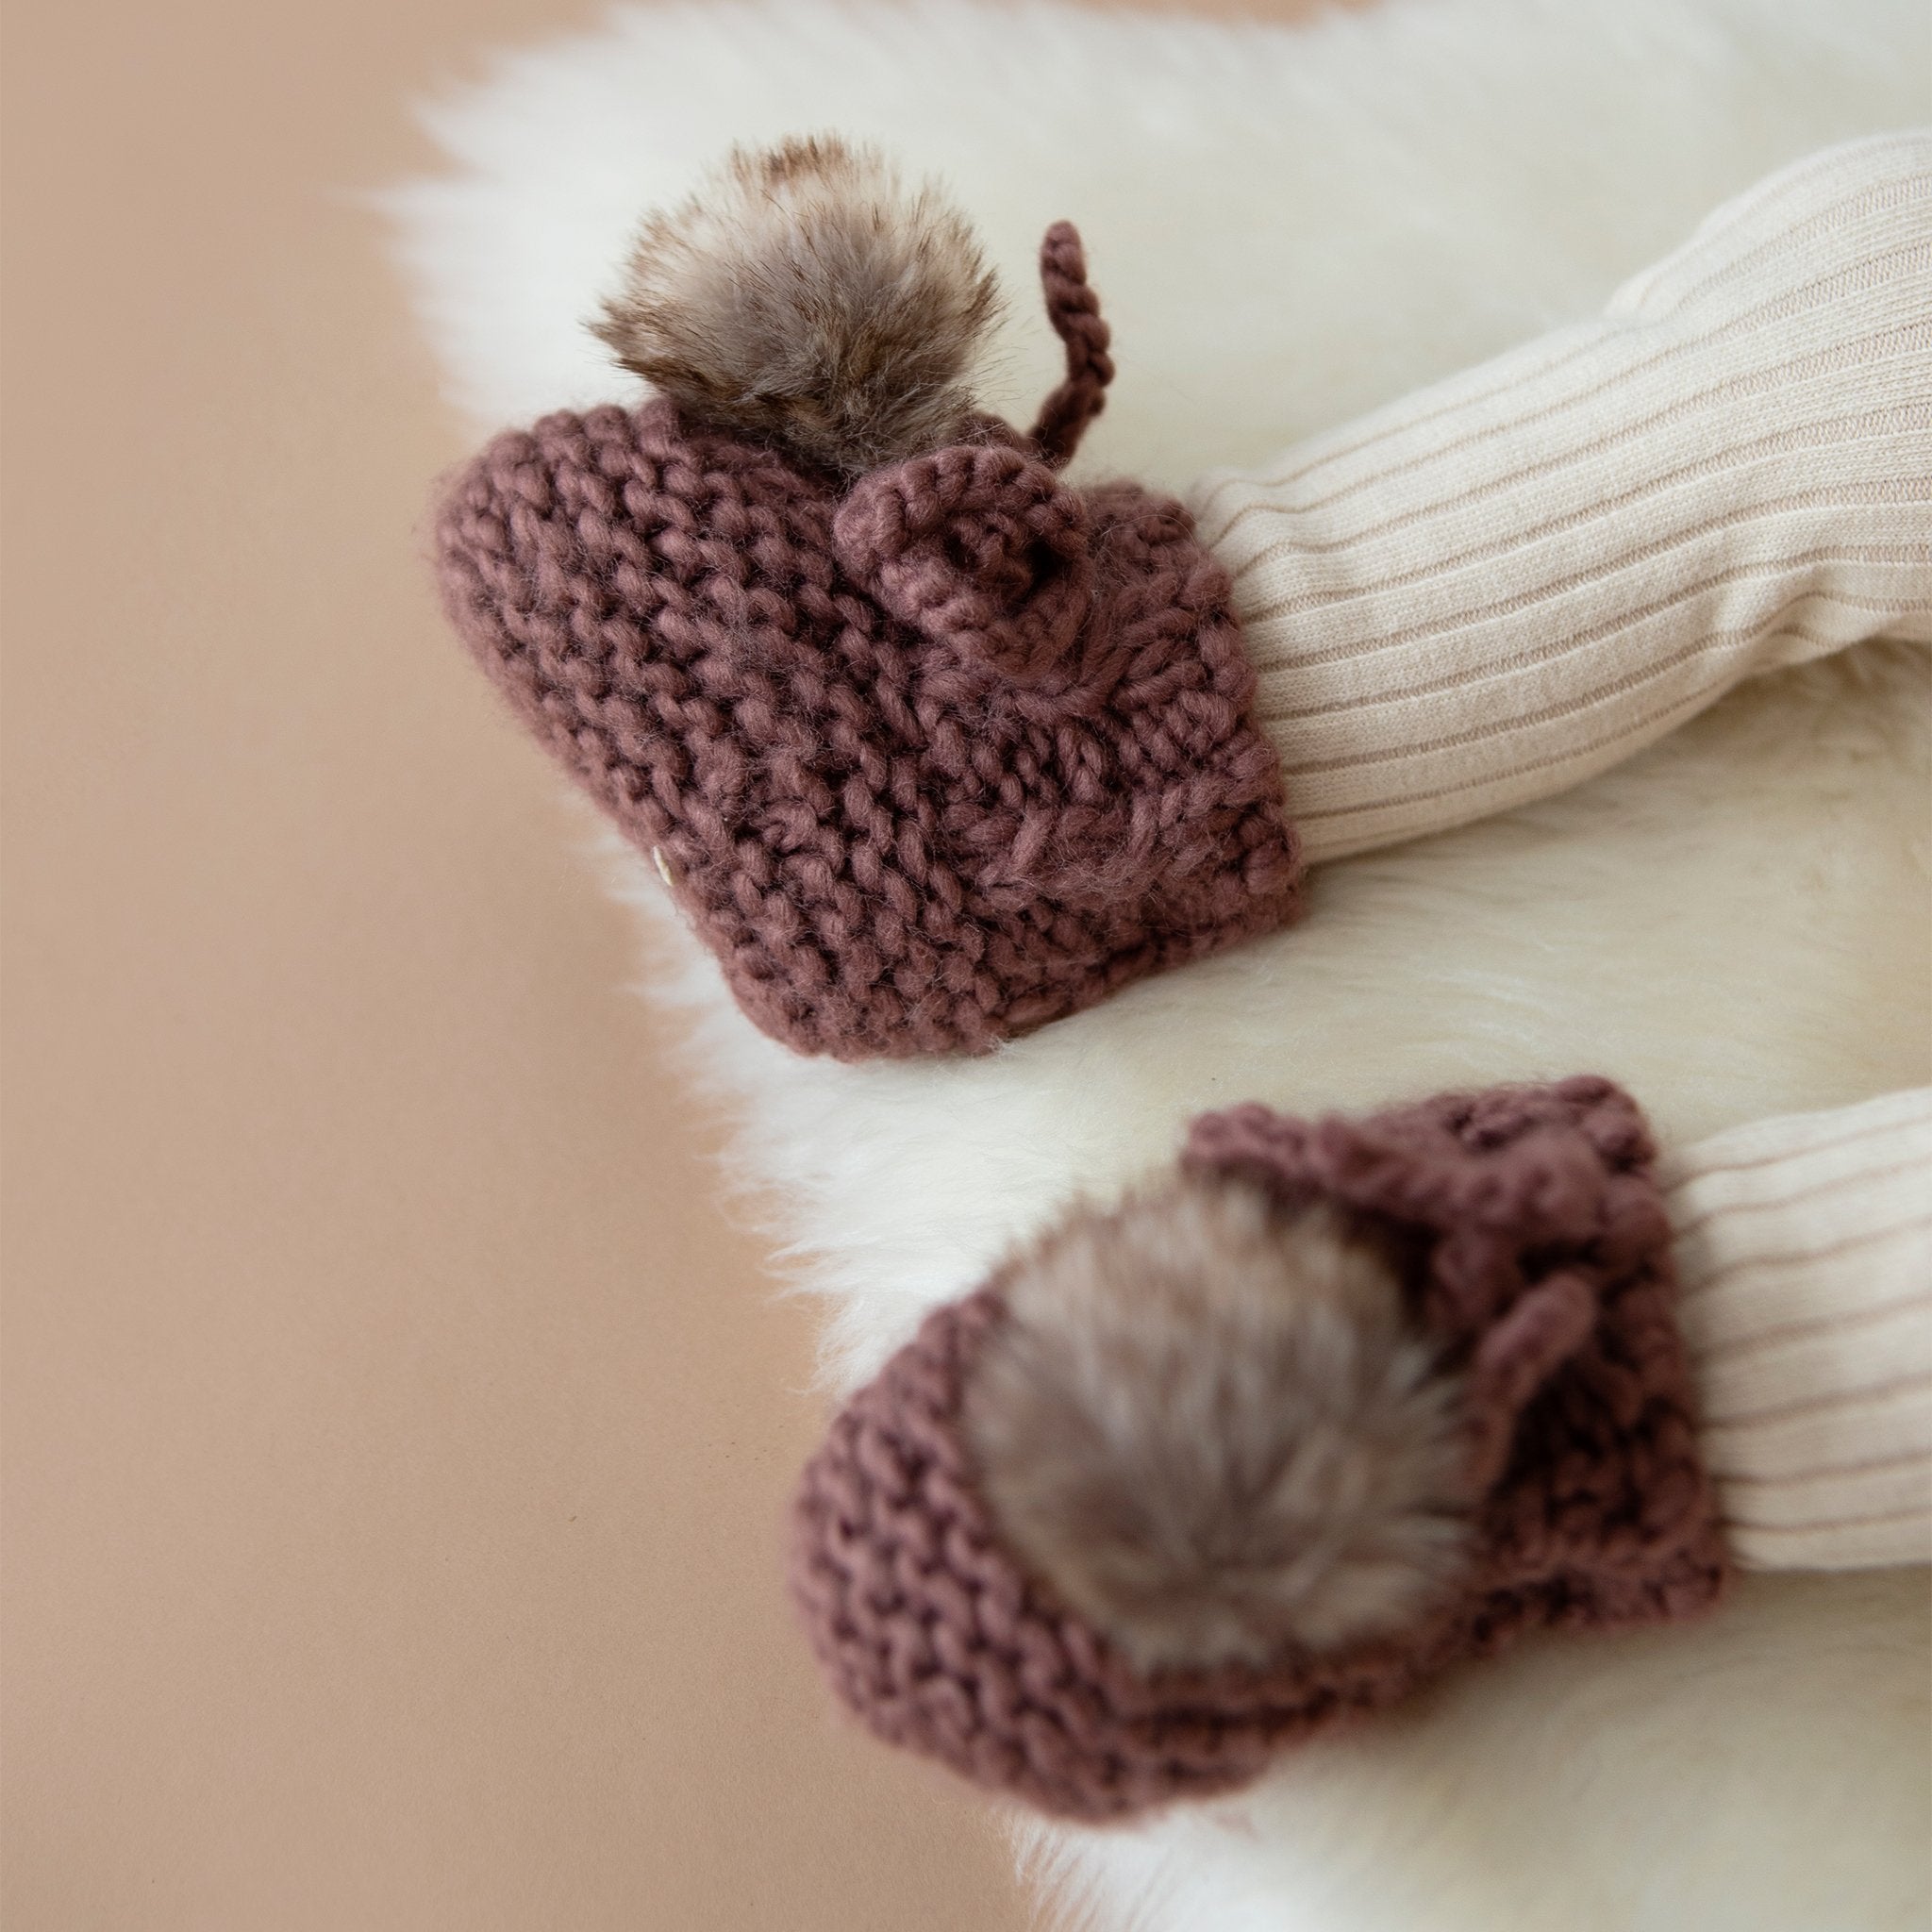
806,298
1212,1426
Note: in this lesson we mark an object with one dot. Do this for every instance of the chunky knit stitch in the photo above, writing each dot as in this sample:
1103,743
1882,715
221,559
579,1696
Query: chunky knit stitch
929,761
1537,1253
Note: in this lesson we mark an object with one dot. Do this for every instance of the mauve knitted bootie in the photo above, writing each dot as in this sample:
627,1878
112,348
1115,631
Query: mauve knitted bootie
1294,1501
930,748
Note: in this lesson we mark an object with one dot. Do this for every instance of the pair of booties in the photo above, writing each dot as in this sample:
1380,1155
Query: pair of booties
931,748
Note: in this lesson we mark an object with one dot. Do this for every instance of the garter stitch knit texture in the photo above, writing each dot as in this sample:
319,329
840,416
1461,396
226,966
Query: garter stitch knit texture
1538,1252
928,760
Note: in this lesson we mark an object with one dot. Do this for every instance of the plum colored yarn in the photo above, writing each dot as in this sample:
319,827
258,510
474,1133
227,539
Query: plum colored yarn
928,760
1537,1252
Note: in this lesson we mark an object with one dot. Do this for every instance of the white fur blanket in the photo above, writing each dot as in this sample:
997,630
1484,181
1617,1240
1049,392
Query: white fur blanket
1289,226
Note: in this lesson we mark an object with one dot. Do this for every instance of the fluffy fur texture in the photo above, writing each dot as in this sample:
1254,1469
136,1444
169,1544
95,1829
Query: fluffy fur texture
1218,1436
1297,225
805,298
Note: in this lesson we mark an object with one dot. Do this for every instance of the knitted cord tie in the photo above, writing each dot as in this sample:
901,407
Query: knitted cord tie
929,758
1074,309
1541,1261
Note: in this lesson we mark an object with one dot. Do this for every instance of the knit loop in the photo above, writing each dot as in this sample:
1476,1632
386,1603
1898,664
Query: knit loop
980,546
1515,1359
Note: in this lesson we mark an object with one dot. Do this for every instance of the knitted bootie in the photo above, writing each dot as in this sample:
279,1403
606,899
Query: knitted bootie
930,748
1265,1448
934,749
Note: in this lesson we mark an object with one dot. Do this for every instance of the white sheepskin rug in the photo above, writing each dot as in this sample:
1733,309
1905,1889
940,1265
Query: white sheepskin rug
1289,226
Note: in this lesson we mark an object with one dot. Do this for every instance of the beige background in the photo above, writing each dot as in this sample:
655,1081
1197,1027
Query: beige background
396,1417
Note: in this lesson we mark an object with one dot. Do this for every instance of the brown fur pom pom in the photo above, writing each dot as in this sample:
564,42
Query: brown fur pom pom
1209,1422
805,298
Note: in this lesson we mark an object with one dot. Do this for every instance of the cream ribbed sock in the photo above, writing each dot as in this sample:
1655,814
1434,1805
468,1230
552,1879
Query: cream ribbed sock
1517,578
1804,1249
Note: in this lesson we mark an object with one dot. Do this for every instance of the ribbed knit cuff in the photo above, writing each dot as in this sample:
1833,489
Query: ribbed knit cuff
1804,1246
1517,578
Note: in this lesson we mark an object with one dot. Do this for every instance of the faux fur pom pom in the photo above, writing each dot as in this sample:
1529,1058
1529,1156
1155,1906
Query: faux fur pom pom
805,297
1217,1433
